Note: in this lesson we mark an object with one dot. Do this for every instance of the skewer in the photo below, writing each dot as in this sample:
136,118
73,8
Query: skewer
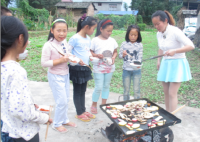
85,64
177,109
50,107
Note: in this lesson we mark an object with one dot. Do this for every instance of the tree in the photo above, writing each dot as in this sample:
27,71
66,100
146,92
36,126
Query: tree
125,6
6,2
147,7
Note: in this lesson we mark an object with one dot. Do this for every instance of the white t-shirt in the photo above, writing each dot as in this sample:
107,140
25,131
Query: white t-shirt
105,47
173,38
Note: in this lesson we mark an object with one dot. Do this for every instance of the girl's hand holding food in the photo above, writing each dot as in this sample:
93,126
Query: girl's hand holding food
113,60
100,56
81,62
124,53
64,59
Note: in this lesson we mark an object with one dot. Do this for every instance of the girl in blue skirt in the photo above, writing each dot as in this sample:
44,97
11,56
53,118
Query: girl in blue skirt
174,67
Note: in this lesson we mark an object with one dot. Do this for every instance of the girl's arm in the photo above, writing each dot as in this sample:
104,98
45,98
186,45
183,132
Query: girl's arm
100,56
46,54
181,37
160,52
114,56
20,102
122,52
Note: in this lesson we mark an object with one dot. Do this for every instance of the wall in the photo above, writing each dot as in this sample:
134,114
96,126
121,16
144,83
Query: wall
198,20
90,10
105,6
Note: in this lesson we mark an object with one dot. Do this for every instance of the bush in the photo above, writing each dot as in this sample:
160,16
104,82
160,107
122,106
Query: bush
118,21
139,19
142,26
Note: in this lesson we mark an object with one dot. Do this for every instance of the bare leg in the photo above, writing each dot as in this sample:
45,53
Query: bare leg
166,92
94,104
104,101
173,99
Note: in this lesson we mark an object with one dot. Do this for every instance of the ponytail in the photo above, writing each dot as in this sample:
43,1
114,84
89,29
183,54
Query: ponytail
86,20
102,24
11,28
164,15
171,20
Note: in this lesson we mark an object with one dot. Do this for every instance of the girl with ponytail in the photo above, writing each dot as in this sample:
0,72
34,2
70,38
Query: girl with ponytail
18,113
80,74
105,48
174,67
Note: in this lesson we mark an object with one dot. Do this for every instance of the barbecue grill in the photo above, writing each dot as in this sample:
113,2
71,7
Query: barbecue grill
170,119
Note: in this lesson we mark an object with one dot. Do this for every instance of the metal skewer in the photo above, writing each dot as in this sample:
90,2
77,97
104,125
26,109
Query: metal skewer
50,108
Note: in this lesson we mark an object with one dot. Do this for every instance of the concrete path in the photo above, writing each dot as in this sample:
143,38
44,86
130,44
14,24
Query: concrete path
187,131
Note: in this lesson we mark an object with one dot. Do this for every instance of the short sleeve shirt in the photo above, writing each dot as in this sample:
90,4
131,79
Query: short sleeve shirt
105,47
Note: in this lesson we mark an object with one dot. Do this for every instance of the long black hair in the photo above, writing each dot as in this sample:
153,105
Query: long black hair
99,26
51,36
86,20
164,15
139,39
11,28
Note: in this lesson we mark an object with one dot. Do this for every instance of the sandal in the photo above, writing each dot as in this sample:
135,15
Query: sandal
61,131
91,116
72,124
93,110
83,118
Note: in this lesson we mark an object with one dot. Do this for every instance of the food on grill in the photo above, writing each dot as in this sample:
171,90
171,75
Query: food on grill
108,107
130,132
149,104
156,114
108,111
122,123
136,126
143,123
130,124
134,120
139,129
158,118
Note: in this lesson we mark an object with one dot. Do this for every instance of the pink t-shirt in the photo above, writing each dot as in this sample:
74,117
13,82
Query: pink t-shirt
50,53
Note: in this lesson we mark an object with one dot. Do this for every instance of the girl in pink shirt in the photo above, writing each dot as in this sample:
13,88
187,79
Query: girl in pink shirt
58,72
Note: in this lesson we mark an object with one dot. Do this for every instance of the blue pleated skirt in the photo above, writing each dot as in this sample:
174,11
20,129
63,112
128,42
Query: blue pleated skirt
174,70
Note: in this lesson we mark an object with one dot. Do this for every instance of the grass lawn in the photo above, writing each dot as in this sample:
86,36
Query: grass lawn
188,94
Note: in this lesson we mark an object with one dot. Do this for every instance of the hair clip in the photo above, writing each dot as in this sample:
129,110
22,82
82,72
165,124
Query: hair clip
83,17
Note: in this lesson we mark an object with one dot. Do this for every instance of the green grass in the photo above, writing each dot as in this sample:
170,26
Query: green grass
189,92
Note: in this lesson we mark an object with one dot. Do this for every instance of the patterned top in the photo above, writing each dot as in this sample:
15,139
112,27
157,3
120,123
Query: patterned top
173,38
134,49
20,119
106,48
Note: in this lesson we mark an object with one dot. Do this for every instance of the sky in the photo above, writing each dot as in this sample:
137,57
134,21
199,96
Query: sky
128,2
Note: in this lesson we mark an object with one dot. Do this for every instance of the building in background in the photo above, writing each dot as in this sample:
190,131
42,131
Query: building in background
91,7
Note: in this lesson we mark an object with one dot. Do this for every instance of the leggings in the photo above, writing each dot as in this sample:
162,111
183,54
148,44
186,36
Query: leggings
79,97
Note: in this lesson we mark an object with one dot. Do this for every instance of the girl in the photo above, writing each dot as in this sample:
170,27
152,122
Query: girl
79,74
103,47
18,113
58,73
174,67
134,48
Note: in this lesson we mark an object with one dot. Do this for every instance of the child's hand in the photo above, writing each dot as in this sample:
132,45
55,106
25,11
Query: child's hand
113,60
100,56
50,121
81,62
64,59
36,106
124,53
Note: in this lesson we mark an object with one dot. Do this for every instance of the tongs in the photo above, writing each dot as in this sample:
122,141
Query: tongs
139,63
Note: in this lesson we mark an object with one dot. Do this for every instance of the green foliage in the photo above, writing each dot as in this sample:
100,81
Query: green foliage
125,6
118,21
142,26
139,19
5,3
175,9
147,7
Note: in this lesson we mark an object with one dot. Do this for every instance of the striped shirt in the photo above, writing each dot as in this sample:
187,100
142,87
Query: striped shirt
134,49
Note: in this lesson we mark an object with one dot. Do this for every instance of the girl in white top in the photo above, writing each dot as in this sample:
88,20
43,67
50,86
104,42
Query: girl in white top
18,113
105,48
174,67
